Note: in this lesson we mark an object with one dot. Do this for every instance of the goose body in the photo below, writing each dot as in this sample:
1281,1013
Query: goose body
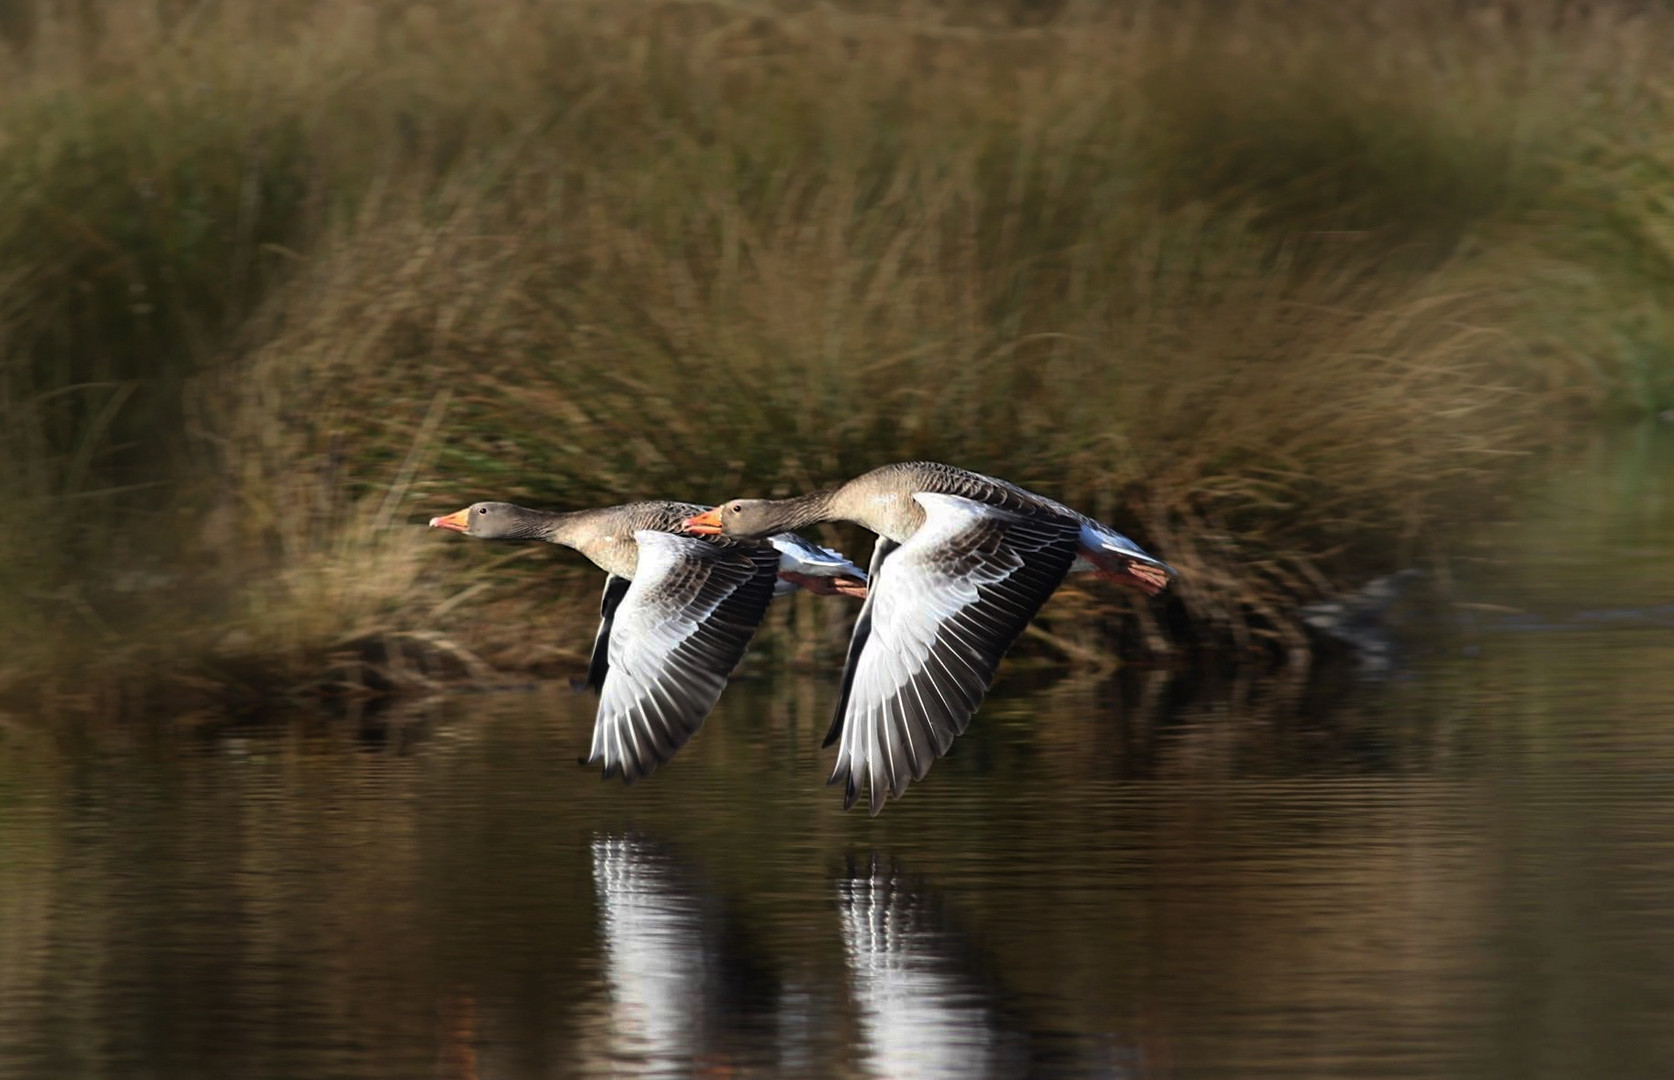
962,562
677,612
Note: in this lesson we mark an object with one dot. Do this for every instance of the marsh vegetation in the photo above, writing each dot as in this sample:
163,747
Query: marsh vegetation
1286,291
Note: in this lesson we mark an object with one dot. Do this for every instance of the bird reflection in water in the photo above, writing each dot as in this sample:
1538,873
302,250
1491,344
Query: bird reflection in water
688,992
924,1010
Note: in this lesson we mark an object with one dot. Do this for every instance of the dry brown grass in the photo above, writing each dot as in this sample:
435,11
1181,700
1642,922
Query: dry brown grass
1282,296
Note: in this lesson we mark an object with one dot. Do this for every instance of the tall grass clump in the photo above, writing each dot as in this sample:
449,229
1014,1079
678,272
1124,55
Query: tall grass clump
1282,289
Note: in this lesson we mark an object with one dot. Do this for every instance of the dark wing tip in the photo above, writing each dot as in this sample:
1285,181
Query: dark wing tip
610,770
877,790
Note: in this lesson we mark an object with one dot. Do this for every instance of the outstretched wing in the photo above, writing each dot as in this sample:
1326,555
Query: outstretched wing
679,630
943,609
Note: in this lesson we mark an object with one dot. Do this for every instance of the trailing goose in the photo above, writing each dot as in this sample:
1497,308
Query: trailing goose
676,616
962,563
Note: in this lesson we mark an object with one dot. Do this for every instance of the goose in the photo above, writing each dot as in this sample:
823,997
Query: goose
962,563
676,615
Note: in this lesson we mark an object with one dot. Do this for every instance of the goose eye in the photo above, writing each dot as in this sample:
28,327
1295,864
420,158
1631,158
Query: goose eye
738,508
482,509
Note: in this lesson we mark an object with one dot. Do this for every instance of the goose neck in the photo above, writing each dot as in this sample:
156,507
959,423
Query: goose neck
567,529
802,511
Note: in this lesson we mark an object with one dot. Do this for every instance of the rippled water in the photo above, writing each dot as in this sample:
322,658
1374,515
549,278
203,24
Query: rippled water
1463,868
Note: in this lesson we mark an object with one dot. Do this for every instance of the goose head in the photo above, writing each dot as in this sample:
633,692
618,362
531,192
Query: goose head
741,519
488,521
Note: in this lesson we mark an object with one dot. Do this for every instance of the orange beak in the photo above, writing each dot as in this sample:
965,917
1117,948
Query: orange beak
458,521
707,523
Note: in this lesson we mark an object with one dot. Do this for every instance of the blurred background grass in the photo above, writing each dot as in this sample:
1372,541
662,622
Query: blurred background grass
1286,290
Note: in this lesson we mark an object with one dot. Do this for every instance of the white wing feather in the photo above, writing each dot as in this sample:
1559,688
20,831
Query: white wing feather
681,628
945,607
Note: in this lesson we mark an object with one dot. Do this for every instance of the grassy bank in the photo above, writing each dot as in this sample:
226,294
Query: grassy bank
1285,290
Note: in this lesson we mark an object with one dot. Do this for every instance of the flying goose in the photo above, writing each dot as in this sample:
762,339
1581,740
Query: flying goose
962,563
676,616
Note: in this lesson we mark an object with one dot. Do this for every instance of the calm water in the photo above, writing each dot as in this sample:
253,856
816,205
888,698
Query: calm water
1464,868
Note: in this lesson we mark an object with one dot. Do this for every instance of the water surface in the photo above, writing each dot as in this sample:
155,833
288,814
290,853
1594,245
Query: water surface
1464,867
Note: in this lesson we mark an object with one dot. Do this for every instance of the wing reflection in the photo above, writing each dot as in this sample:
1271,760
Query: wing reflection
923,1009
684,985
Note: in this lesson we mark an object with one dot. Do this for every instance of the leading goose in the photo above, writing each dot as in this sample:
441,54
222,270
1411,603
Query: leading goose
962,563
676,616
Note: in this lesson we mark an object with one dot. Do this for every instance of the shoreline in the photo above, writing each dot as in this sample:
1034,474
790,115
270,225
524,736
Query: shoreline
390,665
